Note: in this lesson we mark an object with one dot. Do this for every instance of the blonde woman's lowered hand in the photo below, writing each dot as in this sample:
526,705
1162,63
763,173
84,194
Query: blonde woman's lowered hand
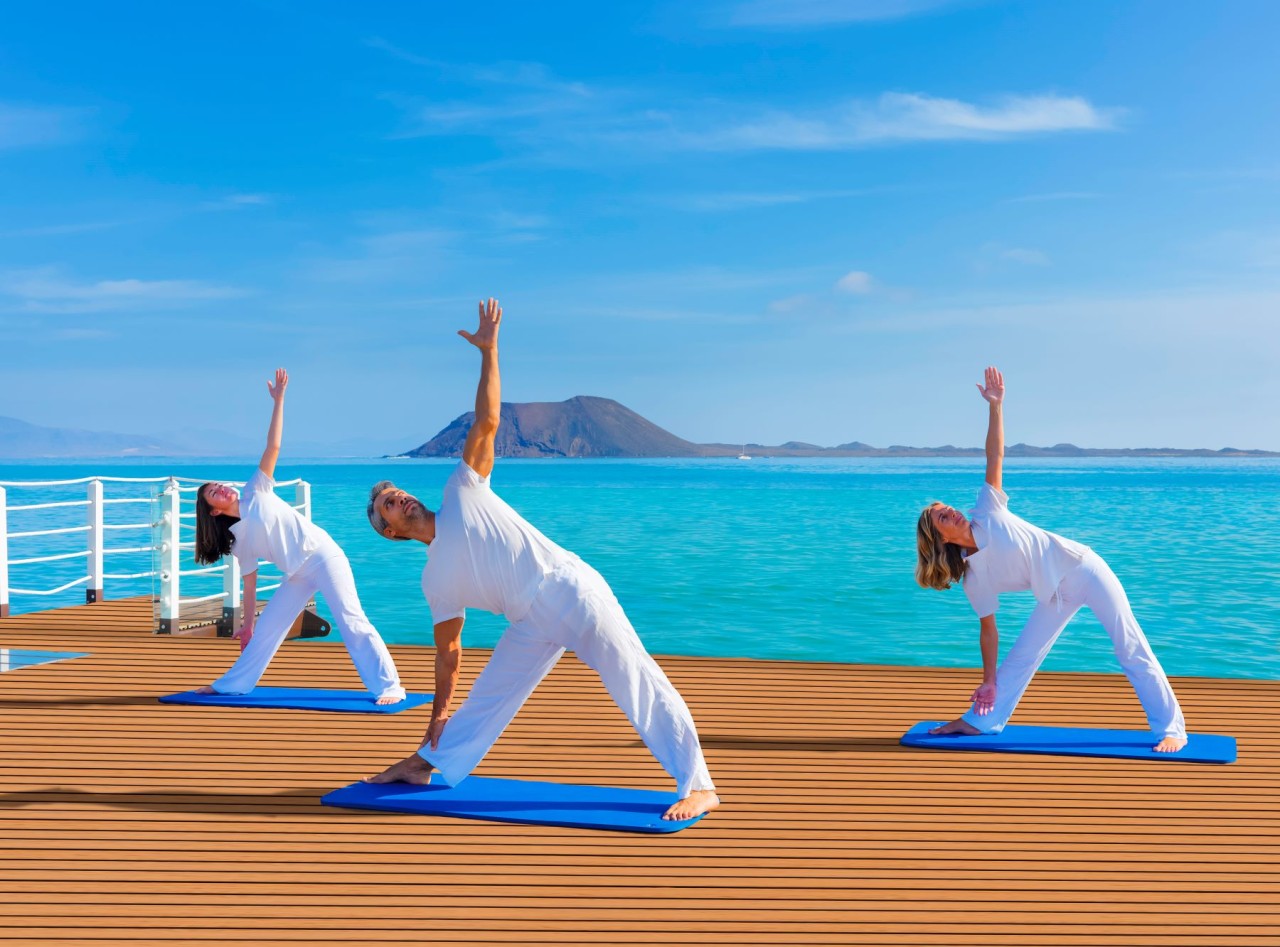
984,699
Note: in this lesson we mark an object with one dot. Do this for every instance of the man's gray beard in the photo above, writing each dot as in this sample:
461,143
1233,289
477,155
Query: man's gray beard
416,517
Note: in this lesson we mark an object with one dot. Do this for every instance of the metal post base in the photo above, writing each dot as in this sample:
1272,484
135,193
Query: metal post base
226,625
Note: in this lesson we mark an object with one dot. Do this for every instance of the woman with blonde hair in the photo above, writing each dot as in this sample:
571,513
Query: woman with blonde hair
993,551
256,524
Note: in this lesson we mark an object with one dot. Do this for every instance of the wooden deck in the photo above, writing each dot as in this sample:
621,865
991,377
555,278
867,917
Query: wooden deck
128,822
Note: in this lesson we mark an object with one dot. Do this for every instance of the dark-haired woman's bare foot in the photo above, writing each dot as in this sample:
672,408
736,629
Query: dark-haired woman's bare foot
692,805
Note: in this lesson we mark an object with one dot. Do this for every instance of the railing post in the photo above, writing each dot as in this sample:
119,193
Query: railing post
304,499
4,555
94,592
168,539
230,598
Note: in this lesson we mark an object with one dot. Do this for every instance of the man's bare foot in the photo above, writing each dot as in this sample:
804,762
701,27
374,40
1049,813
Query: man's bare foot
205,689
383,701
958,726
1170,745
413,769
692,805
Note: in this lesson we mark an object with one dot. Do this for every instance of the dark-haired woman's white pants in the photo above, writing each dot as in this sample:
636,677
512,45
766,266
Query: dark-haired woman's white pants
1091,584
332,578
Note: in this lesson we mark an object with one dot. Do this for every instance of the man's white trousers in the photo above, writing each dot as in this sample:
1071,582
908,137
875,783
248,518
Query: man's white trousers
574,610
332,578
1091,584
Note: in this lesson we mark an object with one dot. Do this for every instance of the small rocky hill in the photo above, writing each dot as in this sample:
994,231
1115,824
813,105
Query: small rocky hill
580,427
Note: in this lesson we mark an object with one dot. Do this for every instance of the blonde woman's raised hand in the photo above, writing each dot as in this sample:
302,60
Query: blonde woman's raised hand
486,336
282,382
993,390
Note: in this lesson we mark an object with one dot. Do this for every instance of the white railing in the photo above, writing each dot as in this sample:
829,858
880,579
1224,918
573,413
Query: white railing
70,547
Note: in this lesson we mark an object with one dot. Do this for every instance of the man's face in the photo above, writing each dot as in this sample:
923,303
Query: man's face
400,510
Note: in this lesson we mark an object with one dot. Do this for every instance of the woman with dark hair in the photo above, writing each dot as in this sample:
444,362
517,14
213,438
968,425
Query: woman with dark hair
257,524
994,551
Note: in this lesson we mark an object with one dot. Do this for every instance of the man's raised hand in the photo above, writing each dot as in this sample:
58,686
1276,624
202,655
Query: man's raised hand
486,336
993,391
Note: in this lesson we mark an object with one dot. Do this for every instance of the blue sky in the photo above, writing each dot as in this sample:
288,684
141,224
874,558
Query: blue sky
750,220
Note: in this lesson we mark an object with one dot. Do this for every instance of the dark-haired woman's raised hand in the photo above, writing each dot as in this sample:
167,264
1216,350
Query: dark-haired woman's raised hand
282,382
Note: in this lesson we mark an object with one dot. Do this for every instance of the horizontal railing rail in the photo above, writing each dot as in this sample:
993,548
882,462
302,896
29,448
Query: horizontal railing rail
43,522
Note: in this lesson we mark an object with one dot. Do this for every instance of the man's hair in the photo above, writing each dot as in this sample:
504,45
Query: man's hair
380,526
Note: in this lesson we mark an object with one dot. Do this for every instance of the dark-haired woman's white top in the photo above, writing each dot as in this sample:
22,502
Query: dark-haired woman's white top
271,529
1013,555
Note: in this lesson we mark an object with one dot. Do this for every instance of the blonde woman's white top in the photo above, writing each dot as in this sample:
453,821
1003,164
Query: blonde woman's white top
1013,555
271,529
485,554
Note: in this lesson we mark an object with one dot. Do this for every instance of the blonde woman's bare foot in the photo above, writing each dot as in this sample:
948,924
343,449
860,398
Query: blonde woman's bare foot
958,726
205,689
383,701
1170,745
412,769
692,805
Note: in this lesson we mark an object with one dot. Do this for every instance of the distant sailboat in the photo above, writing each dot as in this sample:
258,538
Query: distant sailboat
743,455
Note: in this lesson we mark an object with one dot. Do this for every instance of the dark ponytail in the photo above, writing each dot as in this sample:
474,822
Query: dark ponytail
213,531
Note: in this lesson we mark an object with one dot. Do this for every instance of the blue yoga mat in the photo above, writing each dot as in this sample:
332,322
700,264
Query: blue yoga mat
520,800
299,698
1078,741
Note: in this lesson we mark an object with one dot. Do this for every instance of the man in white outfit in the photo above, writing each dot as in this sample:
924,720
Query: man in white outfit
485,555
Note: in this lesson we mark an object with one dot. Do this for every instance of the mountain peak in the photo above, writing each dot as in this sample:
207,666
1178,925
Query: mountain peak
581,426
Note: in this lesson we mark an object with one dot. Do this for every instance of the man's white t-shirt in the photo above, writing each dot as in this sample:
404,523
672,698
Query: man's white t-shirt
485,554
271,529
1013,555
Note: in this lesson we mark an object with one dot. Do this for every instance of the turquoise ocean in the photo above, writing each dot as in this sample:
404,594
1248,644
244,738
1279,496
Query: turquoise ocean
804,559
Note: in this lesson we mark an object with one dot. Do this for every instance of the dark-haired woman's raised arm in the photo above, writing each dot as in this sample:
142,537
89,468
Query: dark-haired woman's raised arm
276,431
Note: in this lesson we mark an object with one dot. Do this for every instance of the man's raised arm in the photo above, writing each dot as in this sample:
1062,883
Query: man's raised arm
478,451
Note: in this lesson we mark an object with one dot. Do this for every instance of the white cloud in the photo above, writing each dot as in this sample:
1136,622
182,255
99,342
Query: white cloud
503,94
46,290
995,257
24,126
238,202
902,117
577,125
525,106
746,200
856,283
791,304
811,13
405,253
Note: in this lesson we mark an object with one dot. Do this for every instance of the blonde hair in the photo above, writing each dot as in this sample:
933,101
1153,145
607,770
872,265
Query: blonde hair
938,563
